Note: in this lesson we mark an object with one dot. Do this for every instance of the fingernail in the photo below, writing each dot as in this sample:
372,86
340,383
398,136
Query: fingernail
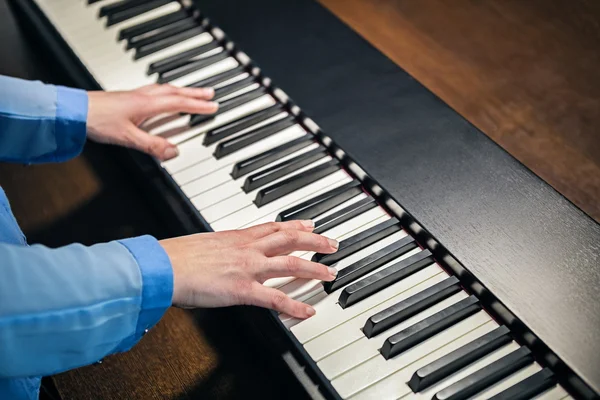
171,152
333,243
214,104
308,223
209,92
332,271
310,311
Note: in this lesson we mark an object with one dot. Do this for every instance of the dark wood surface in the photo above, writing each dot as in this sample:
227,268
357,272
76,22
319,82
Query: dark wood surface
523,72
539,100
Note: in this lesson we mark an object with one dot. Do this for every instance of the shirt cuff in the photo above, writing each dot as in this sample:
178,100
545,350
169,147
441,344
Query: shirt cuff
71,126
157,282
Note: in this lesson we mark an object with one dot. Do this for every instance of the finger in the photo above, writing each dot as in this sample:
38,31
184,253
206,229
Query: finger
180,104
279,301
197,93
156,146
166,89
287,241
294,266
262,230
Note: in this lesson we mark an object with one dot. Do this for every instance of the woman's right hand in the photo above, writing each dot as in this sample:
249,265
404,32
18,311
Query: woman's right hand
229,268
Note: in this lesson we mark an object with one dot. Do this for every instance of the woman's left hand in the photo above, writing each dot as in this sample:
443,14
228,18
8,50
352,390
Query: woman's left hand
115,117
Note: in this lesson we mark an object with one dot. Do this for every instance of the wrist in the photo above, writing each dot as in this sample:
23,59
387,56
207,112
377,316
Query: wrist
156,279
92,120
171,249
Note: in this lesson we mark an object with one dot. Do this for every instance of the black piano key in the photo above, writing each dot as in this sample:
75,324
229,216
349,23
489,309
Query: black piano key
529,387
359,241
315,206
346,214
144,40
219,78
237,143
228,105
287,186
415,304
370,263
180,59
282,169
152,25
222,132
253,163
153,47
452,362
234,87
382,279
192,66
130,12
119,7
487,376
429,327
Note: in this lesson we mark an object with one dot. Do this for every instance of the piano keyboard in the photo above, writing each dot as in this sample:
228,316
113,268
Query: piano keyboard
393,324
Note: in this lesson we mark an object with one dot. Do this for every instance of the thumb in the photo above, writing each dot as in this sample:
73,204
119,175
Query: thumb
156,146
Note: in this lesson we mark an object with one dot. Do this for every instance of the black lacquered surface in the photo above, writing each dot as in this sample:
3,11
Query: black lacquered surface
523,240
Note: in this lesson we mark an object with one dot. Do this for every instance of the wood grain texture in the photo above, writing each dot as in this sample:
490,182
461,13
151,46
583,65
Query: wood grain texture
524,72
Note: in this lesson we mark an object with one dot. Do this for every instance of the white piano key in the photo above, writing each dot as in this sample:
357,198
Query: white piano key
216,177
178,48
332,315
112,32
179,131
352,227
287,320
188,156
379,378
59,16
213,198
144,17
224,216
363,349
487,360
273,215
507,382
247,89
343,205
236,78
349,331
300,289
214,69
128,66
555,393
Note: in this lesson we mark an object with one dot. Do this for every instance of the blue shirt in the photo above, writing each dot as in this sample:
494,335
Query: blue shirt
72,306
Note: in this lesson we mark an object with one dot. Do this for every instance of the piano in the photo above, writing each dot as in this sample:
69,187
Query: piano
462,275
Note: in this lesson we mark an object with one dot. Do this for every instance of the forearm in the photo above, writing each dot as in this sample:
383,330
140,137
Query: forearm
40,123
68,307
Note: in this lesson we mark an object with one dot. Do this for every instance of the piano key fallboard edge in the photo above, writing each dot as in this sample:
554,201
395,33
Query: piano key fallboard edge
189,220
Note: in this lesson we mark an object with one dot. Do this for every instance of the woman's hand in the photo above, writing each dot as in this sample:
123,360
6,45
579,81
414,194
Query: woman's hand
114,117
229,268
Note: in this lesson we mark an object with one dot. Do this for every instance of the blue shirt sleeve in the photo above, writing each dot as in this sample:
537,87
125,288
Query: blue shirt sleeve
68,307
40,123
